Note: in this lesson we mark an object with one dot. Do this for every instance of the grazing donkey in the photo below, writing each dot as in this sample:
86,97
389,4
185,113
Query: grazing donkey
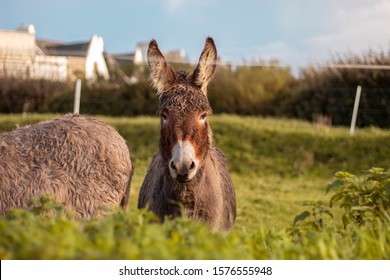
188,171
81,162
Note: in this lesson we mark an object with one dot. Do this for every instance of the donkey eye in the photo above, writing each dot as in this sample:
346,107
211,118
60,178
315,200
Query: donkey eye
203,117
164,118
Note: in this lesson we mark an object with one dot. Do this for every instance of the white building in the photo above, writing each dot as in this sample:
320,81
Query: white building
22,55
85,59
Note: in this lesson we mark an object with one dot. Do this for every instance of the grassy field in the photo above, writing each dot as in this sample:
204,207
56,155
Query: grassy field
277,166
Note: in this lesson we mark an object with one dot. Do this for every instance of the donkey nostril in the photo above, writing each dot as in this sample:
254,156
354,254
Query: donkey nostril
192,166
172,165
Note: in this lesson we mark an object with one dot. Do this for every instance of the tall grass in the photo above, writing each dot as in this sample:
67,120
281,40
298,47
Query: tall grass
277,166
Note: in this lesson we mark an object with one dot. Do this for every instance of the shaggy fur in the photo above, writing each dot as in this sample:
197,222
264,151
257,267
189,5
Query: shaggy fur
79,161
209,196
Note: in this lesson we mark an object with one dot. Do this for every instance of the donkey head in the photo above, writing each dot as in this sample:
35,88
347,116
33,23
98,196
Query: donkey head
185,134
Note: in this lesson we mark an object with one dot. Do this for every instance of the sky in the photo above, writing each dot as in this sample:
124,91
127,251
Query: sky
295,32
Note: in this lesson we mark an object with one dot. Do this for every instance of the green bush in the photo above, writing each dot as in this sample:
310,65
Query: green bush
365,204
365,200
249,90
136,235
331,91
104,99
22,96
365,221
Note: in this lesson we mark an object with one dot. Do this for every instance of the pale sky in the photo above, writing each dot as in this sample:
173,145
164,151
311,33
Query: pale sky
296,32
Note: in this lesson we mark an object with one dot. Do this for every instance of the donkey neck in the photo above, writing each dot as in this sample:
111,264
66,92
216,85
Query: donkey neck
185,194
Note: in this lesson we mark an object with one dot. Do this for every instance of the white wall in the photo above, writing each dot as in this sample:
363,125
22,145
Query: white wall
95,59
50,68
19,58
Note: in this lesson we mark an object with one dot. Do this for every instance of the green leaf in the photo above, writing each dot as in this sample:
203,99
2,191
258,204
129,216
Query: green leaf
376,170
344,175
301,217
337,183
336,197
325,211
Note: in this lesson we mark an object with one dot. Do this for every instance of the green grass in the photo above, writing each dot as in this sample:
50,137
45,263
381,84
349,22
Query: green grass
276,165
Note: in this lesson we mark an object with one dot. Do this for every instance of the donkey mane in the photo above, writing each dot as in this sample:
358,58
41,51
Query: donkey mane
182,100
188,172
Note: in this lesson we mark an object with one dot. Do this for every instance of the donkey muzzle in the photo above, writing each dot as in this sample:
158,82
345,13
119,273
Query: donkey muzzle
183,165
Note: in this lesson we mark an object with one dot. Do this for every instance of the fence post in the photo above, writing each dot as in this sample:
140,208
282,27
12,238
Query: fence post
77,94
355,110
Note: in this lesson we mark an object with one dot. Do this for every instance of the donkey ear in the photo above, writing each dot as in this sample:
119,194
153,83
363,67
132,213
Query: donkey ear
206,66
161,74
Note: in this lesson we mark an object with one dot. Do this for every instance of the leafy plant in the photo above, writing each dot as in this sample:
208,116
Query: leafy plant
364,199
44,205
318,211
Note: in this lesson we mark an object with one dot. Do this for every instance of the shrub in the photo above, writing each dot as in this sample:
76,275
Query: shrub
365,200
331,91
250,90
22,96
106,99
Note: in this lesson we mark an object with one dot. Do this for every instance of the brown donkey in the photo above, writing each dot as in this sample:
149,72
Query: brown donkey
188,172
79,161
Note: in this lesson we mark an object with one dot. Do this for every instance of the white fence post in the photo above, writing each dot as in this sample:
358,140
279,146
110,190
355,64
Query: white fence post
77,94
355,110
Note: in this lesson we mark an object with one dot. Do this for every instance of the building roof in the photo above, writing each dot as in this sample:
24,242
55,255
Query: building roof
61,49
121,57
